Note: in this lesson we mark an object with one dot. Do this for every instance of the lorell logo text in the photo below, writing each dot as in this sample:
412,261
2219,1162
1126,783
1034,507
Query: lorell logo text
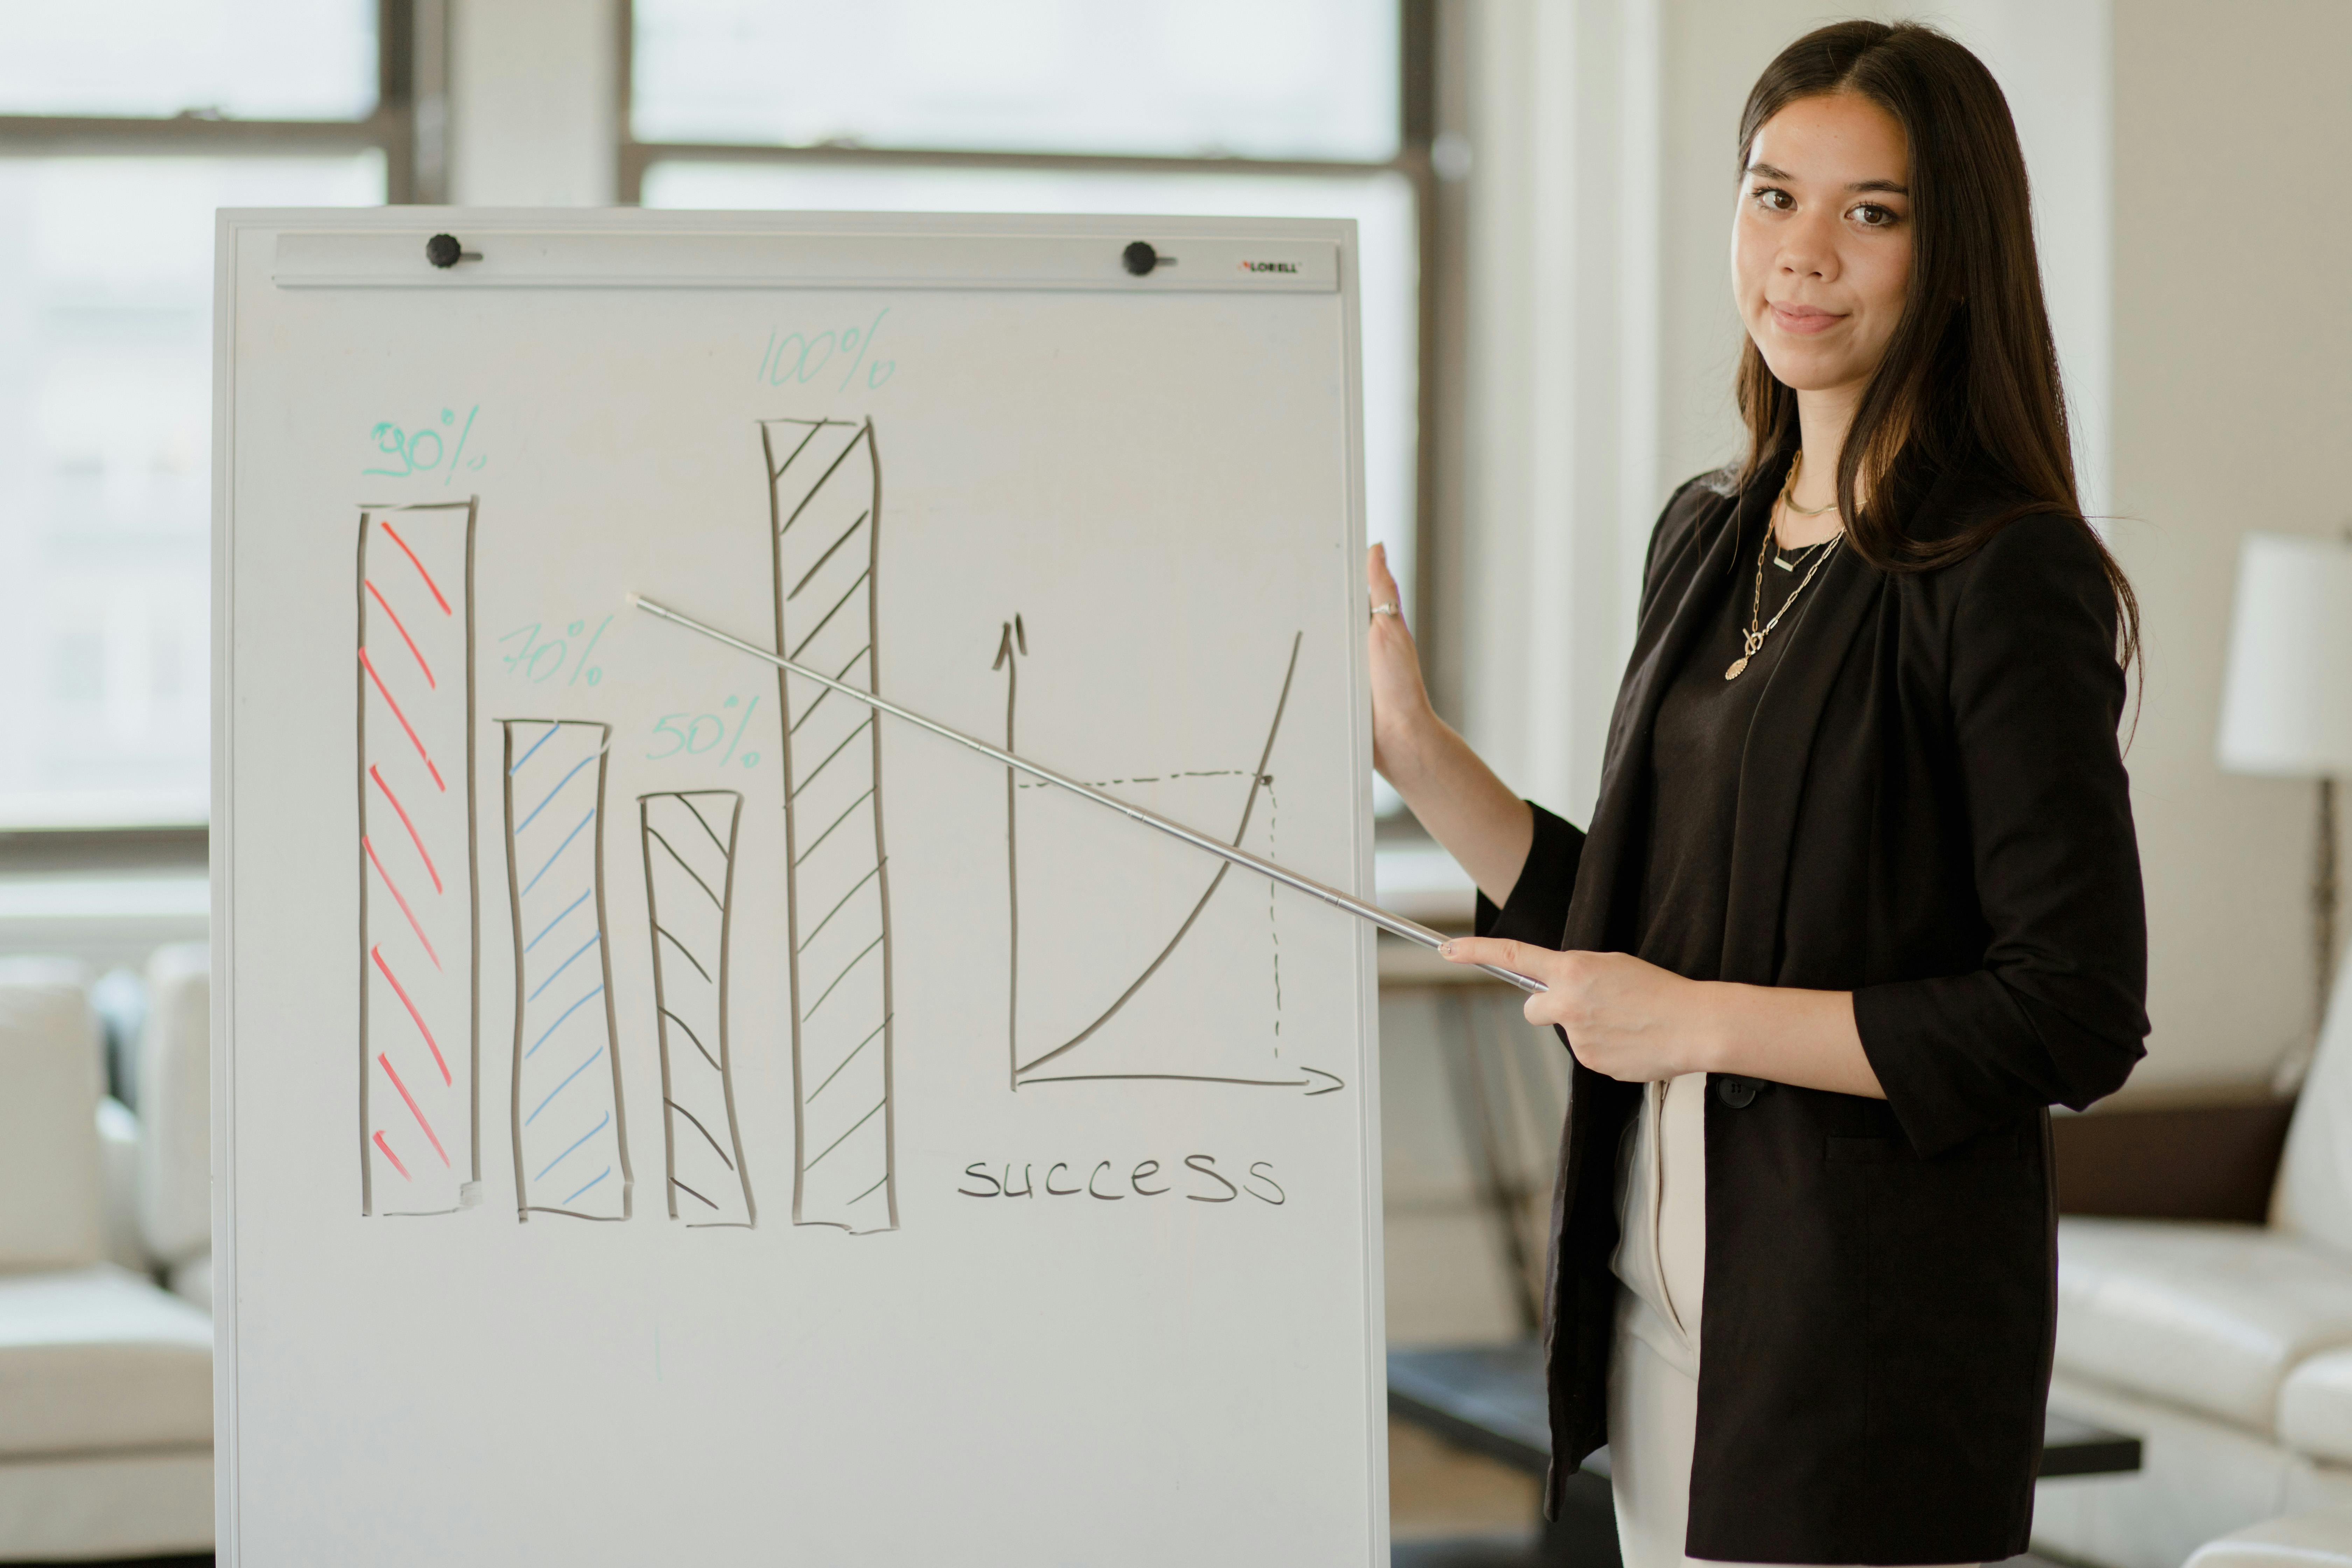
1269,266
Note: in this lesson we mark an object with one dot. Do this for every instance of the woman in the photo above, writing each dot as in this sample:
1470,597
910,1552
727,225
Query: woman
1860,898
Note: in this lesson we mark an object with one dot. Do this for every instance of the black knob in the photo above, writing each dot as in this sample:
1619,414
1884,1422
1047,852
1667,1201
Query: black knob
443,250
1140,258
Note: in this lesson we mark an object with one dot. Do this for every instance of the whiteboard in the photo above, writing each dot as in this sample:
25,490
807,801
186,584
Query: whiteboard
667,1113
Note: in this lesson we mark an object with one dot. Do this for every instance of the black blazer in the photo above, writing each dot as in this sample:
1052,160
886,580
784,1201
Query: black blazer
1932,814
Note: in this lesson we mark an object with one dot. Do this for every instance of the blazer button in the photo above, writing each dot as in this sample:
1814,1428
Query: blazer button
1737,1092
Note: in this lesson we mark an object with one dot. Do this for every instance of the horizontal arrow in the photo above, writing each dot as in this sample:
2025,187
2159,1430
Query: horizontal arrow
1333,1084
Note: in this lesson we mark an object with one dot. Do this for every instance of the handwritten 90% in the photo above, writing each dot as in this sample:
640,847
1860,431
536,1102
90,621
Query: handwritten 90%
420,451
540,660
792,359
683,734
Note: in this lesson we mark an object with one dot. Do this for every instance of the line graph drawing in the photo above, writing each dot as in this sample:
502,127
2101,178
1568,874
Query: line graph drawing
689,838
419,937
569,1124
1074,1034
824,496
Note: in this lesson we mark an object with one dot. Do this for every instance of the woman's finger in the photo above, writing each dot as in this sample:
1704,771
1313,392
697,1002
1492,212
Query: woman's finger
1379,579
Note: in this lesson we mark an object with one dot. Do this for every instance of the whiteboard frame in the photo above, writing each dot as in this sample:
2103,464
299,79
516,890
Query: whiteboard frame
236,227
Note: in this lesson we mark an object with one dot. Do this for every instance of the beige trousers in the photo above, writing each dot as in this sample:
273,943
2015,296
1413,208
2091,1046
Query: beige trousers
1653,1365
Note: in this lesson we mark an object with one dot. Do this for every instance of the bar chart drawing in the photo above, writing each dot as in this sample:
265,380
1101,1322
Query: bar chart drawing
824,495
689,838
570,1124
419,941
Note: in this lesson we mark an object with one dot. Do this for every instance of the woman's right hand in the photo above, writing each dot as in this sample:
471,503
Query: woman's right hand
1401,716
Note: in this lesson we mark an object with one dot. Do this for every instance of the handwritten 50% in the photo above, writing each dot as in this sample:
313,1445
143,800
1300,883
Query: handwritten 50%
684,735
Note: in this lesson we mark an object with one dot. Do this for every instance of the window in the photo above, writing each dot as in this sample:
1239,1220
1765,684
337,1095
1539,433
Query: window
1239,108
123,125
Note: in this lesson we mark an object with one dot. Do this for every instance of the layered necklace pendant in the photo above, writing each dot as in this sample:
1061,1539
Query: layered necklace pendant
1753,643
1752,637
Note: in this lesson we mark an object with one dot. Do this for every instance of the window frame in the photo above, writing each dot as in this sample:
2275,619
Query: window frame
406,127
411,53
1436,214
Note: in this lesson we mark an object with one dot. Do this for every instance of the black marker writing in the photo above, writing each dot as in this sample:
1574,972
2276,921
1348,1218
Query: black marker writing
1192,1162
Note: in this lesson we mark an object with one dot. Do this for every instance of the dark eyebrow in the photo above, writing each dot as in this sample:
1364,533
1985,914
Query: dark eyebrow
1892,187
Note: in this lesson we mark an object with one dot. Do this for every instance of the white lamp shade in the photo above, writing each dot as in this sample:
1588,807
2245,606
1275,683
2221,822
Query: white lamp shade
2286,707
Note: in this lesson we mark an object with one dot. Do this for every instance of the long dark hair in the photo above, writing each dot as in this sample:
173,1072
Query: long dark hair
1971,370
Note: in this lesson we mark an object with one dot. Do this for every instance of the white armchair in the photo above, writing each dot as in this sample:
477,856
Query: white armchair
2226,1348
175,1213
105,1379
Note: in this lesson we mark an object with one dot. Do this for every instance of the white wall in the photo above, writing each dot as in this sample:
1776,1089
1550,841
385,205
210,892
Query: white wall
1562,418
2232,410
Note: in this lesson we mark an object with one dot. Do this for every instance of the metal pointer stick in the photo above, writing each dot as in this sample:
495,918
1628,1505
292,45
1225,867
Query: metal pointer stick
1395,925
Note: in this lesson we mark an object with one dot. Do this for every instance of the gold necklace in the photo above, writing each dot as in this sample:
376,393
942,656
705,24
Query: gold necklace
1752,639
1789,484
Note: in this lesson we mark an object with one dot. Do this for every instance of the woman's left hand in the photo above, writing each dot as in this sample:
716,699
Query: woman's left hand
1630,1020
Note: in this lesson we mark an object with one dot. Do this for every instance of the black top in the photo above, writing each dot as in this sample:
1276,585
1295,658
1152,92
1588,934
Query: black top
1703,730
1941,826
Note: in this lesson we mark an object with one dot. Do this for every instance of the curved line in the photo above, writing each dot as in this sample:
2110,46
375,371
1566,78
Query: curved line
421,571
557,921
1257,782
386,693
567,1012
607,1122
828,556
699,1127
688,800
553,726
600,1177
829,826
837,979
841,674
844,1138
660,930
821,477
385,1062
402,992
845,898
543,805
682,1187
827,618
809,777
394,1158
846,1061
559,1087
385,604
562,966
414,836
695,1039
656,834
560,848
392,887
